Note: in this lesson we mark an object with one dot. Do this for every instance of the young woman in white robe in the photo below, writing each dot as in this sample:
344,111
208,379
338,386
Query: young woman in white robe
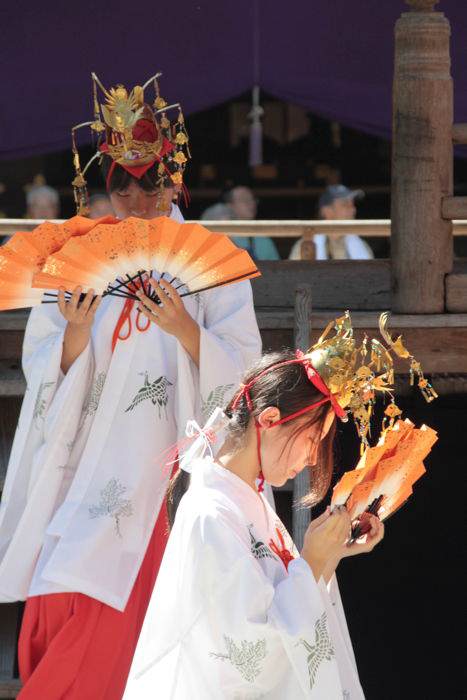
236,611
83,520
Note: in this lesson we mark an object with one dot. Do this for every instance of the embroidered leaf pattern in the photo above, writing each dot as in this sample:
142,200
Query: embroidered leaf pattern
92,400
112,504
41,403
258,549
155,391
216,398
245,657
321,650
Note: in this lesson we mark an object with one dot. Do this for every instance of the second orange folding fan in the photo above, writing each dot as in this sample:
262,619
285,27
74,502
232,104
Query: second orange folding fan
25,253
384,477
188,253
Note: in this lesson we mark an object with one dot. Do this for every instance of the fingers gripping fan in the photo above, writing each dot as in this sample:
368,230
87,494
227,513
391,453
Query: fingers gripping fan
112,259
25,253
383,479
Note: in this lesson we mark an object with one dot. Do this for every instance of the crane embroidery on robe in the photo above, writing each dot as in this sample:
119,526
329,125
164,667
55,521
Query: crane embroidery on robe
41,403
216,398
245,657
112,504
321,650
155,391
258,549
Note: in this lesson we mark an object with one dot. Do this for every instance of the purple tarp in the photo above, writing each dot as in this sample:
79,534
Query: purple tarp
333,57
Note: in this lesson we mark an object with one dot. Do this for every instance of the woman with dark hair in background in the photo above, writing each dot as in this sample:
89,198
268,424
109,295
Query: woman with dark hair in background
83,520
236,611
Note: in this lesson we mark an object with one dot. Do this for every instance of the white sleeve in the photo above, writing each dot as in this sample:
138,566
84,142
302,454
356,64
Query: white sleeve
42,356
47,425
229,343
247,634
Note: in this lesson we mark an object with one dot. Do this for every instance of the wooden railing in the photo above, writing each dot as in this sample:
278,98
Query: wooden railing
380,228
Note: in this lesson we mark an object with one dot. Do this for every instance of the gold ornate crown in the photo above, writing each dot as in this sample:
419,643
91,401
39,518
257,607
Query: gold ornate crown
134,135
355,373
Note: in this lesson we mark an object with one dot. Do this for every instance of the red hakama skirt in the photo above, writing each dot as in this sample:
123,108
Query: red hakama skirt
73,647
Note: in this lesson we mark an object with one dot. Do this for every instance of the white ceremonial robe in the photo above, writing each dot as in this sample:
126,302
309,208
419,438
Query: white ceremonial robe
227,620
86,481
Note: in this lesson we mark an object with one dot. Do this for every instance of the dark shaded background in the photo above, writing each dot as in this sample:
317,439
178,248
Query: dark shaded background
405,602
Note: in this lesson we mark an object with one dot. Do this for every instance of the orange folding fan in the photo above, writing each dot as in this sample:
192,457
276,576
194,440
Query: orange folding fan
383,479
111,258
24,254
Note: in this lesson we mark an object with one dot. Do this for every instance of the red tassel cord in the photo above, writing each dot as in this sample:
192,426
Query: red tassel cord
125,318
282,552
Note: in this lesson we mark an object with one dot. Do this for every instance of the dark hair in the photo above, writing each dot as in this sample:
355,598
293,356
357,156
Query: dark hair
121,179
287,388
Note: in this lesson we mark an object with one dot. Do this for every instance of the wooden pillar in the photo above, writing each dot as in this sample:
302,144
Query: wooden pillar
422,160
301,483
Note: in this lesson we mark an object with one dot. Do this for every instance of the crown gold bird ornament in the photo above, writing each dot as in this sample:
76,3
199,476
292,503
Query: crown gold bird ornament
355,373
135,136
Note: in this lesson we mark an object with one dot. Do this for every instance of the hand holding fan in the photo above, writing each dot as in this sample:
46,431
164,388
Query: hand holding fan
383,479
24,254
111,259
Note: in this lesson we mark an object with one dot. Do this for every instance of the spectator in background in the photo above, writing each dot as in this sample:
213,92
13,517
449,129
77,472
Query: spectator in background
337,202
239,203
43,202
100,205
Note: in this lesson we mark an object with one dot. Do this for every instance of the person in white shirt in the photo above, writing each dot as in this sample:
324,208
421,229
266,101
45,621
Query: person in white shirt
337,202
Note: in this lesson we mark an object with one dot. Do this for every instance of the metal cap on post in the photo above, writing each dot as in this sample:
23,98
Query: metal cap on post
422,160
301,484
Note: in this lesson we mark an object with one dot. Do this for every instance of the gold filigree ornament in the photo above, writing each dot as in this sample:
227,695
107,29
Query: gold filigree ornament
356,373
400,350
180,158
177,178
117,123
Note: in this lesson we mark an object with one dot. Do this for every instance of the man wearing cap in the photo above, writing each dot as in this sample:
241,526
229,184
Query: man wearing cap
337,202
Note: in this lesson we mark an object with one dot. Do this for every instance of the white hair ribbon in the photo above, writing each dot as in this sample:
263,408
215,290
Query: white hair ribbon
204,438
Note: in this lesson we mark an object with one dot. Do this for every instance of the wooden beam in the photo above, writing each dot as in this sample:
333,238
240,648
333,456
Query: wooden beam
302,336
9,689
374,228
12,381
338,284
283,319
422,161
440,350
459,133
454,207
438,341
9,624
456,293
